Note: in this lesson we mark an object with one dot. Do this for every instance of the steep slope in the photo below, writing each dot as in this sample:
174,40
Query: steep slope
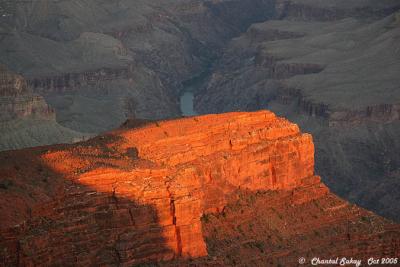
279,228
98,62
25,117
173,190
339,80
334,9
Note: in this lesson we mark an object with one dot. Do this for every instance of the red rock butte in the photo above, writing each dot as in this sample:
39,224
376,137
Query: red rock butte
136,195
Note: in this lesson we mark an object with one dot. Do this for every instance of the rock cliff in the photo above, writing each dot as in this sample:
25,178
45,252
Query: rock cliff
337,77
25,117
171,191
334,9
17,100
99,63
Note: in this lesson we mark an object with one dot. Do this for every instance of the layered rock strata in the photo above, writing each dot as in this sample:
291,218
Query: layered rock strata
137,195
26,119
74,81
338,79
17,101
99,63
334,10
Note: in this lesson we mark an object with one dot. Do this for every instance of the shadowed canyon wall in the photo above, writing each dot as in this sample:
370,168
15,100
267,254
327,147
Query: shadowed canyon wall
333,68
148,194
25,117
330,66
19,101
98,63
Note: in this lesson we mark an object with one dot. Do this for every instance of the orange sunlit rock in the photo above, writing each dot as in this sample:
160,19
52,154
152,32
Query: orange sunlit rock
138,195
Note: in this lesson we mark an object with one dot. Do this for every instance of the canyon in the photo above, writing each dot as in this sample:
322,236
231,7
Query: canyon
333,68
72,70
25,116
97,63
214,190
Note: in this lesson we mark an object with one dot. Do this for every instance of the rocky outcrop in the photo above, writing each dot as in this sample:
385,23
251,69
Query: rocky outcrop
337,79
287,70
255,33
278,69
278,228
74,81
90,61
18,101
330,10
383,113
138,195
26,119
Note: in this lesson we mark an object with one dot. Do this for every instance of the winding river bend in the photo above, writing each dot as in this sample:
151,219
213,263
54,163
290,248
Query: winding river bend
189,88
186,103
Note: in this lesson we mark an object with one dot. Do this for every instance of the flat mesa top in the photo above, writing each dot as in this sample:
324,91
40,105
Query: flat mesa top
166,142
206,123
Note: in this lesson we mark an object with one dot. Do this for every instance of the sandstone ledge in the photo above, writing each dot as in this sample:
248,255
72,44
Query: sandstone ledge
138,195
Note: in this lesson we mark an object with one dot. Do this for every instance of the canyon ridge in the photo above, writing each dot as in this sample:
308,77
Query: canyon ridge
330,66
98,167
214,190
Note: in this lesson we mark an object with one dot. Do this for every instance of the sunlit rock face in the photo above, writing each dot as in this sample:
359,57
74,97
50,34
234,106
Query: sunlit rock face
168,191
332,67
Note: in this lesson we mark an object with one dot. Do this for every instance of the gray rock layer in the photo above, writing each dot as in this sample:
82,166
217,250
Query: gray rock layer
338,78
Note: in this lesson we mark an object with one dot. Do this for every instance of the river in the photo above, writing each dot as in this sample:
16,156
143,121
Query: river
186,103
189,88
